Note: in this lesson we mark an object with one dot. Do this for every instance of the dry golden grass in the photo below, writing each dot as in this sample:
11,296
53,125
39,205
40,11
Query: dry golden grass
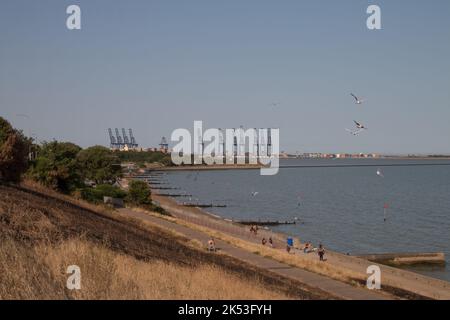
42,233
40,273
21,275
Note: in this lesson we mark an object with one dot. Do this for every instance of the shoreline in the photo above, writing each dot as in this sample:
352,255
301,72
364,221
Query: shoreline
394,278
203,167
407,259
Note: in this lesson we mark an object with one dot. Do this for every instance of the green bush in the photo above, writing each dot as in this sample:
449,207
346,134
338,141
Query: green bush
139,192
5,130
56,166
14,147
159,210
96,194
98,164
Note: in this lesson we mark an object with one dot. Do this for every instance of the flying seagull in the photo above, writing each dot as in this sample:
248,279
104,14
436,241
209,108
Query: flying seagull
359,125
379,173
254,193
360,128
357,100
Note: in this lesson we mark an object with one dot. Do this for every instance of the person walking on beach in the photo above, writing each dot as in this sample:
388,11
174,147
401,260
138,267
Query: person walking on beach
321,252
289,244
263,241
271,242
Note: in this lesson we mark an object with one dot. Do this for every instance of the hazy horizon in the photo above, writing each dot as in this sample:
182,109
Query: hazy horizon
155,66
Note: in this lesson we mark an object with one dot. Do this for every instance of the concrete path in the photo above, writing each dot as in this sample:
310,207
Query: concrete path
336,288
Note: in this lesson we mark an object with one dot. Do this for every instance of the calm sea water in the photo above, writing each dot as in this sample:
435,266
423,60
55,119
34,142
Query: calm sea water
341,207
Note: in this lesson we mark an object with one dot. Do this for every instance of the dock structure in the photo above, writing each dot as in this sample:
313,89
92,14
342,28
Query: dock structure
399,259
122,142
164,146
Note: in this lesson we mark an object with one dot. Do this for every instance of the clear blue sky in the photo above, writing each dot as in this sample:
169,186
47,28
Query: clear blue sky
159,65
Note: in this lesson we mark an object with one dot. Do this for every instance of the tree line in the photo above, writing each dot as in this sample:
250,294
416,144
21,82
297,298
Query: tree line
90,173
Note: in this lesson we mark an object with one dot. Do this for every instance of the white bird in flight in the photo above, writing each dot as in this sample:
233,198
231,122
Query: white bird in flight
379,173
359,125
254,193
360,128
357,100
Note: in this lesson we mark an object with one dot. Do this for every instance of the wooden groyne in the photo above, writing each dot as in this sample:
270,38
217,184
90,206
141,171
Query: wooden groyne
165,188
398,259
264,223
174,195
201,205
142,176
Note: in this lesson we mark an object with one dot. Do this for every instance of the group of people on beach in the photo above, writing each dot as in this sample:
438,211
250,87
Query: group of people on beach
270,241
307,248
254,230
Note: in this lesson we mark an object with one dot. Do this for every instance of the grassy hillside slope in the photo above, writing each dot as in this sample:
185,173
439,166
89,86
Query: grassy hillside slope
42,233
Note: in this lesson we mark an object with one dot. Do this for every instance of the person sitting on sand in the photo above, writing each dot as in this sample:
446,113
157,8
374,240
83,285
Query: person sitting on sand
307,247
321,252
